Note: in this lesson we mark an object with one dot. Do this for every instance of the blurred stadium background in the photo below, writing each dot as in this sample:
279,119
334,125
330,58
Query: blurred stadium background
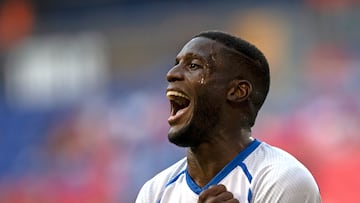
82,106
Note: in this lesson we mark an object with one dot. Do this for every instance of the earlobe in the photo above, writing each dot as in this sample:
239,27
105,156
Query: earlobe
239,90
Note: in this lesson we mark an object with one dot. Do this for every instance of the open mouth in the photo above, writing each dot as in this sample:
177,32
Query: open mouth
179,103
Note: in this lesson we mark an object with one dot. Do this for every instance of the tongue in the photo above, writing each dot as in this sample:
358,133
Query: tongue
181,102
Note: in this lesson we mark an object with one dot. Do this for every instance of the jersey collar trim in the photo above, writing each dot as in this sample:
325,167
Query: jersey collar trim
225,171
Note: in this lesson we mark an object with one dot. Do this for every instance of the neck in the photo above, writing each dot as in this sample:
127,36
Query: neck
207,159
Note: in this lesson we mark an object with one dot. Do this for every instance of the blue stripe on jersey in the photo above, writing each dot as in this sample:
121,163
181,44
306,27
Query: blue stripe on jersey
237,161
249,195
246,171
249,176
193,186
175,178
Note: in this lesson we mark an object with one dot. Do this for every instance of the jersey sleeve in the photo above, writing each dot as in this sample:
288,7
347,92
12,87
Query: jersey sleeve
283,184
143,195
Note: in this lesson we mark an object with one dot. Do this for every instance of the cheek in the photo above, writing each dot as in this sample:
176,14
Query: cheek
200,76
196,77
205,76
202,81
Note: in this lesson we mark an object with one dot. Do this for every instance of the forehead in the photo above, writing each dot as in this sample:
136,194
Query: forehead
201,47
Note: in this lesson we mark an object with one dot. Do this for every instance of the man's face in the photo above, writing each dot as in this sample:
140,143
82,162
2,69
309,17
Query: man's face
196,92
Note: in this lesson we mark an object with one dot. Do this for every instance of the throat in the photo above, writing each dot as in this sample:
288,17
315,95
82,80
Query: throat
207,160
201,176
203,169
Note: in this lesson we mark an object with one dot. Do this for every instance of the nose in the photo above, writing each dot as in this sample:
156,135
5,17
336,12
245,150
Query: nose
174,74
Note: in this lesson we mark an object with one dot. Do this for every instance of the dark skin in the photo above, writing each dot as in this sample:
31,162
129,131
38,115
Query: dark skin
217,194
203,68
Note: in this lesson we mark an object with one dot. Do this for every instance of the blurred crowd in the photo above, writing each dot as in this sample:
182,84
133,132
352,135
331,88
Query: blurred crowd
83,112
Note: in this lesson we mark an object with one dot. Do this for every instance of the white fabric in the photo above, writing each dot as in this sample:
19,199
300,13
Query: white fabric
260,173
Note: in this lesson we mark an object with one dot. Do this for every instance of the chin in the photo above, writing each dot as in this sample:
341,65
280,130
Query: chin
198,128
179,137
181,134
188,136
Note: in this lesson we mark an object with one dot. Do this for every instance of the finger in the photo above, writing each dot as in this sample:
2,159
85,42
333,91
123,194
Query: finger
225,196
216,199
213,190
232,201
217,189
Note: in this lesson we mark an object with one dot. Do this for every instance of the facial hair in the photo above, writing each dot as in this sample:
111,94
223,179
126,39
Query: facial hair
205,118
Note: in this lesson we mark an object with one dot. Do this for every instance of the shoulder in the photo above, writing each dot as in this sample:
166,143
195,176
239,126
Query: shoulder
153,188
280,177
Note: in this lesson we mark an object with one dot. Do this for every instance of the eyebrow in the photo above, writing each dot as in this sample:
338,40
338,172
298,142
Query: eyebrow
193,55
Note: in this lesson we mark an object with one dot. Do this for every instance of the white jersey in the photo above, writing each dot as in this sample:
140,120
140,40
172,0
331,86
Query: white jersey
260,173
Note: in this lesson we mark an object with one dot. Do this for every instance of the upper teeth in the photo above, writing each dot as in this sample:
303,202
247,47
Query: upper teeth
177,94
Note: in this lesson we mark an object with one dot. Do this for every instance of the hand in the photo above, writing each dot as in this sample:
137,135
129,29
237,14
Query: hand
216,194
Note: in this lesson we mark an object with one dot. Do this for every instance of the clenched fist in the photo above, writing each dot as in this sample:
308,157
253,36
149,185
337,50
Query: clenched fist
216,194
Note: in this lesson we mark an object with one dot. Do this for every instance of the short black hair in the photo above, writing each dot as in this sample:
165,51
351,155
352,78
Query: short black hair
259,71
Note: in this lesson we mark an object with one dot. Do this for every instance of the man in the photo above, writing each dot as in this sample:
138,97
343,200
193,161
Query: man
216,88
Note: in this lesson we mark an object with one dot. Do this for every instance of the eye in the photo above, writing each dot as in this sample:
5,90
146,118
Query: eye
194,66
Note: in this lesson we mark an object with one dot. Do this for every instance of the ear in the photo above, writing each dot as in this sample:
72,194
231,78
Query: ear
239,90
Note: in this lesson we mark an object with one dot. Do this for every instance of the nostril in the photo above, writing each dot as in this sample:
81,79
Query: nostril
174,74
170,78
